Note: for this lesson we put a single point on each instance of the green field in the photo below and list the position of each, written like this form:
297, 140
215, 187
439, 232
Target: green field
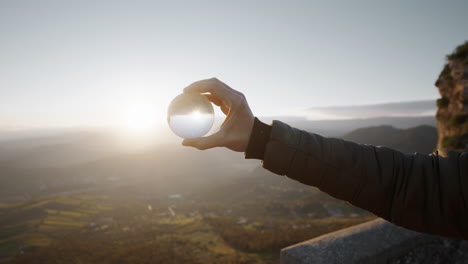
26, 226
104, 229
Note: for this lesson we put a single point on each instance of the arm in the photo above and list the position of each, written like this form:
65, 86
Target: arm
425, 193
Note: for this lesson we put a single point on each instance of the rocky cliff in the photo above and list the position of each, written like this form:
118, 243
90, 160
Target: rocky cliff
452, 114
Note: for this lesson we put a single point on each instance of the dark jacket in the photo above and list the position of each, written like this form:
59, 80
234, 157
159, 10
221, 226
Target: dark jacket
426, 193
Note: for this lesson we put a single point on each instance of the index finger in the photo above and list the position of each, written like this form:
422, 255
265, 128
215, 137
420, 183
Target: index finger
213, 86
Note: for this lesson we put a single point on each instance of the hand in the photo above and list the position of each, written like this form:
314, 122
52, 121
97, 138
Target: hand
235, 131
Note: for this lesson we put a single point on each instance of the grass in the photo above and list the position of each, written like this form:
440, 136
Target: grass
35, 221
68, 201
37, 240
51, 228
7, 232
455, 142
446, 71
458, 120
135, 235
103, 207
88, 211
8, 248
177, 220
9, 205
58, 218
52, 212
70, 213
35, 205
64, 223
446, 76
460, 53
443, 102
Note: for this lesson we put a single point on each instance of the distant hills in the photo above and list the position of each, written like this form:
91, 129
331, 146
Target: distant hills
68, 148
394, 109
58, 150
338, 128
422, 139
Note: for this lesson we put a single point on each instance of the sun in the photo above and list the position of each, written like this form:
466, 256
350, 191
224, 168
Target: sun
195, 114
141, 118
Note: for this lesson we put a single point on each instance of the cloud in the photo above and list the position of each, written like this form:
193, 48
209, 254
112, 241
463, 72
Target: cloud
394, 109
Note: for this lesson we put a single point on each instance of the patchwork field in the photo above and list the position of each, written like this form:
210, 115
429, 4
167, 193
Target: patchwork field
123, 227
25, 226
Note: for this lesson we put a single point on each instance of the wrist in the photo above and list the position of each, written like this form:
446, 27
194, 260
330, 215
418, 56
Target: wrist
258, 139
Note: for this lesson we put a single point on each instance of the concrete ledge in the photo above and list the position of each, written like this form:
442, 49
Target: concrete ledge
376, 241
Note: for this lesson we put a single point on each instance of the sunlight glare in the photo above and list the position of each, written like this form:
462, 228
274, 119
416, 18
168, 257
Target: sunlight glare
196, 114
141, 118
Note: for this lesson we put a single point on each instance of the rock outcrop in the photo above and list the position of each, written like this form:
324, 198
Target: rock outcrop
377, 241
452, 114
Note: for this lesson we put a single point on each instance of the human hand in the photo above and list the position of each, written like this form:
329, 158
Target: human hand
235, 131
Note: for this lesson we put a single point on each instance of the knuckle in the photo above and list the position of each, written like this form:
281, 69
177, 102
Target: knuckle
201, 147
197, 83
222, 134
239, 99
235, 104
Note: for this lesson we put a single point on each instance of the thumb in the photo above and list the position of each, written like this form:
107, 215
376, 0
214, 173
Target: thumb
203, 143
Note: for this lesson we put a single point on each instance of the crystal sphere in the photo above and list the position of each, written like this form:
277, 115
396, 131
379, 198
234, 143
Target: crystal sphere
190, 115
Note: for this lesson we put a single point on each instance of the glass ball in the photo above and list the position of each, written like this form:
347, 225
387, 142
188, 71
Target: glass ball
190, 115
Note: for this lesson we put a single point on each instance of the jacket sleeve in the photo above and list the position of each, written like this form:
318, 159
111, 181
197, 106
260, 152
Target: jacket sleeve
426, 193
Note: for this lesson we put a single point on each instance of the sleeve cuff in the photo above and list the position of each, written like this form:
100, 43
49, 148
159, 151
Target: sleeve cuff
259, 138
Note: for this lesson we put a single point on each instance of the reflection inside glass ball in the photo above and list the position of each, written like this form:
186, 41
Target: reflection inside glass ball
190, 115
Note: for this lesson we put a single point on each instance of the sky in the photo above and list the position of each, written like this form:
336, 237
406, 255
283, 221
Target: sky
94, 63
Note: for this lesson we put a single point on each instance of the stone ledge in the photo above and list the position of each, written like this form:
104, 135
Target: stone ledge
376, 241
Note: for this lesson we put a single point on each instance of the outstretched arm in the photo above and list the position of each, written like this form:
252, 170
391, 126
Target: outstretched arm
425, 193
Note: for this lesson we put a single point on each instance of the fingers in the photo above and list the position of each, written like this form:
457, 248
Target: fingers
214, 99
226, 95
202, 86
203, 143
213, 86
217, 101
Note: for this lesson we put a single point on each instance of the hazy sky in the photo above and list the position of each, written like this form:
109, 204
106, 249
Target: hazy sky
67, 63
